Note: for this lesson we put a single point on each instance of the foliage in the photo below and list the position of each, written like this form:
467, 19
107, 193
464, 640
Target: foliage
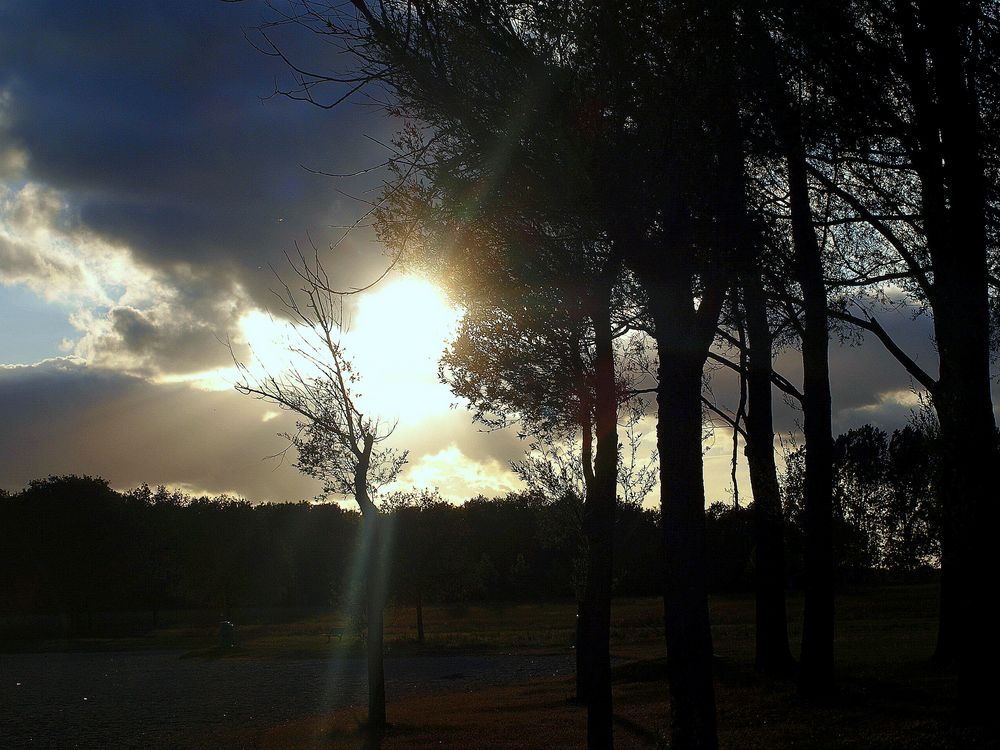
887, 514
336, 442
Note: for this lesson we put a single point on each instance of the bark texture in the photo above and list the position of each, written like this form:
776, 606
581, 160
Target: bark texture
679, 423
772, 653
816, 676
599, 520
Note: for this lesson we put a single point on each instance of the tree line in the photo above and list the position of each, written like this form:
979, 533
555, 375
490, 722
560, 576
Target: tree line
75, 548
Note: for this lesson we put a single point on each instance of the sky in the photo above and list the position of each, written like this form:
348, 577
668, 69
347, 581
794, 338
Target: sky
149, 181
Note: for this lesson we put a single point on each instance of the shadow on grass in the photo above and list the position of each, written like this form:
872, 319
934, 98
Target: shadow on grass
643, 670
637, 730
361, 736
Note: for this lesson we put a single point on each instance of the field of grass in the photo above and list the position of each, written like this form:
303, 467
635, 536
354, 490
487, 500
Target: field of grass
890, 695
457, 628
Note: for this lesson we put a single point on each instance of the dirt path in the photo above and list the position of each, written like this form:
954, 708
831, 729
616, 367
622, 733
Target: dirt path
153, 699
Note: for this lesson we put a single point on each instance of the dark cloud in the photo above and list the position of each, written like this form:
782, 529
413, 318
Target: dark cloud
153, 343
62, 417
151, 118
866, 381
134, 328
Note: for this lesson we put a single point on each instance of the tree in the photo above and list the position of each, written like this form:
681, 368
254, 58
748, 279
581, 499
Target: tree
777, 84
557, 468
942, 59
906, 93
76, 532
886, 491
336, 442
532, 359
860, 488
886, 499
533, 270
914, 510
772, 653
752, 329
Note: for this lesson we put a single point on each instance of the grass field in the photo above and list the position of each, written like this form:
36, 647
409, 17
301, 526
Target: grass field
890, 695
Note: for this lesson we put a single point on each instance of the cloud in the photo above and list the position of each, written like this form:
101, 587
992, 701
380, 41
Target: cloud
156, 124
162, 340
60, 416
129, 316
41, 248
457, 476
13, 158
148, 180
865, 379
437, 432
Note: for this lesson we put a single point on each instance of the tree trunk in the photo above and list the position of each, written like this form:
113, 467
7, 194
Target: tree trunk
584, 607
375, 596
946, 153
682, 503
817, 664
968, 435
772, 653
598, 524
969, 441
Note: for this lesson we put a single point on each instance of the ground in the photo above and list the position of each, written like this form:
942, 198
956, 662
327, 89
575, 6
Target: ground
488, 677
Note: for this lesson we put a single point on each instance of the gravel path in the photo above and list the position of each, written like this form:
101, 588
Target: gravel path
151, 699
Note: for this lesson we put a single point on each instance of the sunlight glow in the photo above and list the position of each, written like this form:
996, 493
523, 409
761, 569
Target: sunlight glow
396, 337
407, 320
218, 379
459, 477
269, 338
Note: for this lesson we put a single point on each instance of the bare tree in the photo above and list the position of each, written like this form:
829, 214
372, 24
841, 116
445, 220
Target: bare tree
336, 442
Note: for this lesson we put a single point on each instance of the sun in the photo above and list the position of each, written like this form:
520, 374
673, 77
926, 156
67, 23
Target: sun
409, 317
396, 337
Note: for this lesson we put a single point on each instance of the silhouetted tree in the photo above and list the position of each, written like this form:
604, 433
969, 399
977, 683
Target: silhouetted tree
336, 442
552, 466
525, 254
887, 515
914, 523
79, 543
784, 100
911, 89
772, 652
861, 461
